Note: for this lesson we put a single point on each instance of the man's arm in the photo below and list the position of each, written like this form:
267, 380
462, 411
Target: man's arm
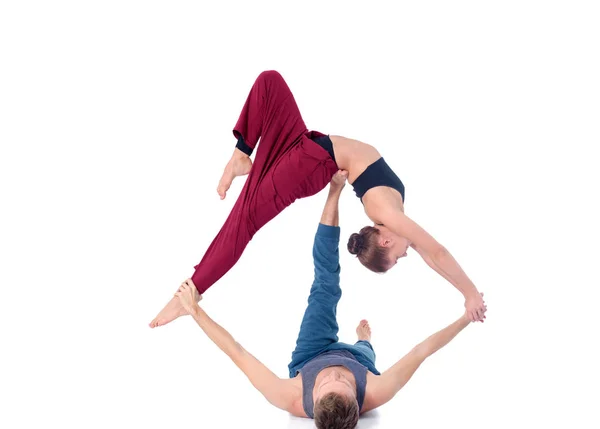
277, 391
331, 214
385, 387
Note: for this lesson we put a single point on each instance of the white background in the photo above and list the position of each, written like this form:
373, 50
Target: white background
115, 126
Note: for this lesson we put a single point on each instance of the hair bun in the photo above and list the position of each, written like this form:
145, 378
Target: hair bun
356, 243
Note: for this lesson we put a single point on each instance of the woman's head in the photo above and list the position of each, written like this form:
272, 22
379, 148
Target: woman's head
377, 248
335, 400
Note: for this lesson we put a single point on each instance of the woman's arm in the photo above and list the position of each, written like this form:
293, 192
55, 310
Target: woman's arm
385, 387
281, 393
436, 256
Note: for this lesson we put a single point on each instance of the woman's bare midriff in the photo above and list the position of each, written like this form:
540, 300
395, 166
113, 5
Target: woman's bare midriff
355, 156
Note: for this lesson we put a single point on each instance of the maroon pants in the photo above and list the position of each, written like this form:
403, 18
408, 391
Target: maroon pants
288, 165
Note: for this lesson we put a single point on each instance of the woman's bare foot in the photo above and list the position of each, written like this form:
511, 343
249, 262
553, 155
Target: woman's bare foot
239, 165
363, 331
170, 312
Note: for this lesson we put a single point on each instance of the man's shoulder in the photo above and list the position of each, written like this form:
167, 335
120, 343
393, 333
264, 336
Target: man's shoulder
371, 392
296, 407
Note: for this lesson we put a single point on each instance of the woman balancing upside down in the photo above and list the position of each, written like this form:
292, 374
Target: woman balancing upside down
292, 162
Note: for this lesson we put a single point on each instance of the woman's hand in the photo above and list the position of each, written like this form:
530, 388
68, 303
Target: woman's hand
475, 307
188, 295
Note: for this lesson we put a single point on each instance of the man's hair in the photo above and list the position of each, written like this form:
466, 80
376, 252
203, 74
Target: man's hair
335, 411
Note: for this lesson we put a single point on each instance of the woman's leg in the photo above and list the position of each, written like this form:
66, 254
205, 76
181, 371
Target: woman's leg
287, 166
271, 115
270, 122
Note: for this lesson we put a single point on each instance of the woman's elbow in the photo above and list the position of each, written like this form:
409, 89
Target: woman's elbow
439, 253
236, 352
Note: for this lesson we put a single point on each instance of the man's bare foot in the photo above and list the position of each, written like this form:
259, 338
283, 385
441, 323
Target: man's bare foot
363, 331
239, 165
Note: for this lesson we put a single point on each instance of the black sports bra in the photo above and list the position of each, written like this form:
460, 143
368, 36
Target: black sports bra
377, 174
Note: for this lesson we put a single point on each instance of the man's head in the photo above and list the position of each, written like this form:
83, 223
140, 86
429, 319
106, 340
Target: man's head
336, 406
378, 248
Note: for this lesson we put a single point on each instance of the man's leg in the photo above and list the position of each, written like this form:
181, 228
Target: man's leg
367, 348
363, 349
319, 326
363, 332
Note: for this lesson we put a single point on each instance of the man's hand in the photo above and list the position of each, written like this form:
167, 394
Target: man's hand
338, 181
188, 295
475, 308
